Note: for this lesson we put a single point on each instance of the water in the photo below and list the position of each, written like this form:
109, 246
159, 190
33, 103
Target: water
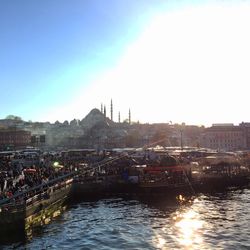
219, 221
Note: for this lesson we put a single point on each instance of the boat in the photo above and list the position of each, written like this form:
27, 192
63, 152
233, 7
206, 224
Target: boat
164, 179
34, 206
220, 172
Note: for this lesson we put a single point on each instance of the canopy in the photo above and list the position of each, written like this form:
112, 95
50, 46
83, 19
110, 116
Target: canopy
29, 170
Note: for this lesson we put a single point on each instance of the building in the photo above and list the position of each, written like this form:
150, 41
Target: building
13, 138
224, 137
245, 126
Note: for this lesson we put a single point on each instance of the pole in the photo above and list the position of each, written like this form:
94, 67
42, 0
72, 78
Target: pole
181, 141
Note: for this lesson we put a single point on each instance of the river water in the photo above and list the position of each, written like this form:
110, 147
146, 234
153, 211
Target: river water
214, 221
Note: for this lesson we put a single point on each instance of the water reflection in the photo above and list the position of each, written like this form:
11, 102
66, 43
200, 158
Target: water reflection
183, 227
201, 222
189, 228
160, 242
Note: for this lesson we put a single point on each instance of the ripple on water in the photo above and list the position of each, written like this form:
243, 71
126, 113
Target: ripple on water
219, 221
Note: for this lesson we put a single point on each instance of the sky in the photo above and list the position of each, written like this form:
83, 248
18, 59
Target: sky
166, 61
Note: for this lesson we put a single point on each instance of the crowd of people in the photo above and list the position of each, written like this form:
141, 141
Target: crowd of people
20, 172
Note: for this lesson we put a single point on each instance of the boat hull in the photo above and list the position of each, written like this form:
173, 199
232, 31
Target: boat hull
35, 211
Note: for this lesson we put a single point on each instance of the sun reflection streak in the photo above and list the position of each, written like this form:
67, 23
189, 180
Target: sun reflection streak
189, 228
160, 242
185, 227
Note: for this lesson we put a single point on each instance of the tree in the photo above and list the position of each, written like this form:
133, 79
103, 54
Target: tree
13, 117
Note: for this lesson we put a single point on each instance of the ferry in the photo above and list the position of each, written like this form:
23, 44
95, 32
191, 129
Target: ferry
35, 205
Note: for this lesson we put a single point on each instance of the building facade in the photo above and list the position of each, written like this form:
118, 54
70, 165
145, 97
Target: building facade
224, 137
12, 139
245, 126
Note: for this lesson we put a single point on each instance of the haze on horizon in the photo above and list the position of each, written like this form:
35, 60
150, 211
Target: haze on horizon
166, 61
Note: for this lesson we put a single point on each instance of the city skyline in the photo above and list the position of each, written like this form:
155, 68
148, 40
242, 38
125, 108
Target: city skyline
184, 62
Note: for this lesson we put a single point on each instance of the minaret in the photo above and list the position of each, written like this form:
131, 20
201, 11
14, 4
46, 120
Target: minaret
104, 112
129, 116
119, 117
101, 108
111, 110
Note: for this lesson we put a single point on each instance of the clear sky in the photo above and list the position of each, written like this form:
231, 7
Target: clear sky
178, 61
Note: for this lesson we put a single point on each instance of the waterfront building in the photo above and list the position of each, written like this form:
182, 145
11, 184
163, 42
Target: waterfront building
245, 126
225, 137
13, 138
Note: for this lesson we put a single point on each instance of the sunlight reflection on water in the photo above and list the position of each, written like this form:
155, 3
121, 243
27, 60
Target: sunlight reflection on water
205, 222
189, 228
185, 226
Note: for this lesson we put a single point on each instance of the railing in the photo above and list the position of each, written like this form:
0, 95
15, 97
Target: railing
20, 198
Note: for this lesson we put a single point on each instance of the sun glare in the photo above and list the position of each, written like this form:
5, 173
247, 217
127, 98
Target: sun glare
186, 63
189, 226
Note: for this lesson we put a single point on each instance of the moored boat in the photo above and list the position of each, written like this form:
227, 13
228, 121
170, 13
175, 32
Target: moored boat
217, 172
32, 207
